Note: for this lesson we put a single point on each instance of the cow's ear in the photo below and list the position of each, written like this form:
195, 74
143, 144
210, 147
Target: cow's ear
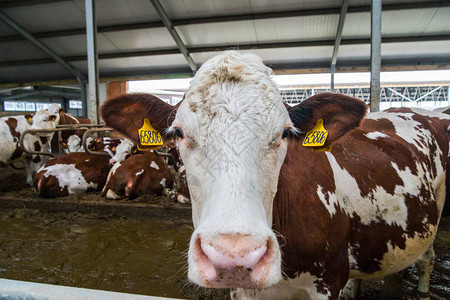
61, 111
52, 118
126, 114
29, 118
339, 113
63, 144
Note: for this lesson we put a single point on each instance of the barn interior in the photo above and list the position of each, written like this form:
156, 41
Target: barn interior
79, 53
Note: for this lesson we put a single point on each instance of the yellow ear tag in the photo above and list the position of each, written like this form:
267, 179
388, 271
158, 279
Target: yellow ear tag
149, 137
317, 136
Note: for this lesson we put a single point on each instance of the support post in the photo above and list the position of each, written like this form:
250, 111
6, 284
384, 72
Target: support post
375, 56
83, 98
91, 36
332, 71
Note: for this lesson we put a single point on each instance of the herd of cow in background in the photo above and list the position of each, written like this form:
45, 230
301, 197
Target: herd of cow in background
125, 173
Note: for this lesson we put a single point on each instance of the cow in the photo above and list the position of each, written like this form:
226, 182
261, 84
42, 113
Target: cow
446, 210
11, 129
124, 150
73, 173
274, 219
140, 174
64, 118
73, 144
105, 144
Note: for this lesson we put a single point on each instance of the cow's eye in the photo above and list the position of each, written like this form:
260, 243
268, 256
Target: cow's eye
286, 133
179, 133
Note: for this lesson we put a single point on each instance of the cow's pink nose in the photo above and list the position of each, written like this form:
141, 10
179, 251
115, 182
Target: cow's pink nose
233, 260
112, 162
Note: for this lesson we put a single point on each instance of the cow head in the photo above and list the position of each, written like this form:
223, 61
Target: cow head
73, 144
123, 151
42, 119
232, 132
55, 110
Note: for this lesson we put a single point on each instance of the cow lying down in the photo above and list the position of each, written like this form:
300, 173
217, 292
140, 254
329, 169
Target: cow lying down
140, 174
73, 173
366, 208
76, 173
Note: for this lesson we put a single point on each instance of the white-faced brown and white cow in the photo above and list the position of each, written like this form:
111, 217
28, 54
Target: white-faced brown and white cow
367, 209
140, 174
64, 118
11, 129
73, 173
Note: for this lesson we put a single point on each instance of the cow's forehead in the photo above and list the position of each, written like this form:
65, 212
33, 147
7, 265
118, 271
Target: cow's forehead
41, 115
234, 87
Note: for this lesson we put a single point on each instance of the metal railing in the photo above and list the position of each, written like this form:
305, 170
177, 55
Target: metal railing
87, 134
89, 131
437, 95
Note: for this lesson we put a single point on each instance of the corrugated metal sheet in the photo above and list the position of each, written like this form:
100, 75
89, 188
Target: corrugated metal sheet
68, 15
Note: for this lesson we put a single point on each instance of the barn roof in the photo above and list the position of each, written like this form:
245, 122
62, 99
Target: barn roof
292, 36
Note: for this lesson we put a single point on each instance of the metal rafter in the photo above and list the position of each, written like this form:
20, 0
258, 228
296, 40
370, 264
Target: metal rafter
395, 64
20, 3
249, 46
173, 32
231, 18
337, 41
41, 46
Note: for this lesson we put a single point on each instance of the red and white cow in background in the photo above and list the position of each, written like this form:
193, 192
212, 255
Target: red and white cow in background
74, 144
11, 128
78, 172
140, 174
368, 208
123, 151
73, 173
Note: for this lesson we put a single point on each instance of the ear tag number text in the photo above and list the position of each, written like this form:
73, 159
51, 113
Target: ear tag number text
317, 136
149, 137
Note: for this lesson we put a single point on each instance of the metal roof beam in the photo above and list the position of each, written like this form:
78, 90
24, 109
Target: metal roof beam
41, 46
337, 41
20, 3
41, 93
250, 46
340, 27
173, 32
395, 64
232, 18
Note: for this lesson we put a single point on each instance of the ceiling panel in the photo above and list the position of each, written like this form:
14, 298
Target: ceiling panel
68, 15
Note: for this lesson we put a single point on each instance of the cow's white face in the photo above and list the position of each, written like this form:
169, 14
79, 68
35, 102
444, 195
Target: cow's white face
54, 110
43, 120
123, 150
74, 143
231, 127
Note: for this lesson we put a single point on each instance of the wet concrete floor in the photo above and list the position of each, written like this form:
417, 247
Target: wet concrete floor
117, 254
144, 256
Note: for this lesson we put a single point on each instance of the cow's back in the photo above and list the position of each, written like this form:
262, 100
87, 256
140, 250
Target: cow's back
381, 188
140, 174
74, 173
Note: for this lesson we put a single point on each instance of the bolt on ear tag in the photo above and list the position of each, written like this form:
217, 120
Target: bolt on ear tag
149, 137
317, 136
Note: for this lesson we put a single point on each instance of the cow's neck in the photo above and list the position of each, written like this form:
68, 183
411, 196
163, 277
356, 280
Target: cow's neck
300, 216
